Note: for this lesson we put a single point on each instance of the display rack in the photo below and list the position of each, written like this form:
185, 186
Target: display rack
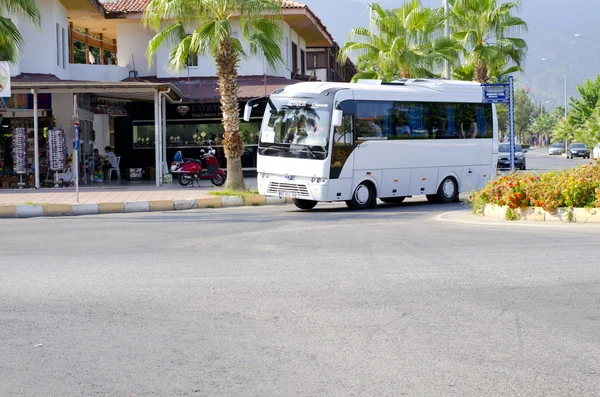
19, 150
56, 153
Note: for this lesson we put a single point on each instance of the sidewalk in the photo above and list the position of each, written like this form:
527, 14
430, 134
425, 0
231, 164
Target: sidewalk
120, 197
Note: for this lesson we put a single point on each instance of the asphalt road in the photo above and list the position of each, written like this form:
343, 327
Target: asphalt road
269, 301
540, 160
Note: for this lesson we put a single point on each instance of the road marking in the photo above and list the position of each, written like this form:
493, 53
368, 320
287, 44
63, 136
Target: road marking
444, 218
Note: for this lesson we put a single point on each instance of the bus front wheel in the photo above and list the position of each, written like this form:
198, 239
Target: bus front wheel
305, 204
363, 197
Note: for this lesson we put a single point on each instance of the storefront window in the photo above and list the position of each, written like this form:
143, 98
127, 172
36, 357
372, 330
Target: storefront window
191, 134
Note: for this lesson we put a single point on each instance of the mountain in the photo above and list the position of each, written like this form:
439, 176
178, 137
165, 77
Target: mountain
552, 27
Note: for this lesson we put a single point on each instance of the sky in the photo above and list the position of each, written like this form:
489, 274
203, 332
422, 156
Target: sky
552, 27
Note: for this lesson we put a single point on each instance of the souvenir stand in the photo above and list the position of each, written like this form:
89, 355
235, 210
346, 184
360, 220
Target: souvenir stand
57, 153
19, 150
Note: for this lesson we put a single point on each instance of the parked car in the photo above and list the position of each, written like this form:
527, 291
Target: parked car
504, 157
578, 150
556, 148
596, 151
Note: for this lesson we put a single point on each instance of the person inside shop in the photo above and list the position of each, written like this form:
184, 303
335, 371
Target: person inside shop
97, 160
110, 159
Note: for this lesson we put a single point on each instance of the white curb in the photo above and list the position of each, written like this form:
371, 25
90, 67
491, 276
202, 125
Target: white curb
137, 206
85, 209
232, 201
29, 211
187, 204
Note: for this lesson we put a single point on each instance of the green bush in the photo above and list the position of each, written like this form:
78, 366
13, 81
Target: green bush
575, 187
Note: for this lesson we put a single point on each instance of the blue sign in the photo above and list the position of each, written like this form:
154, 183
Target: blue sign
496, 93
76, 136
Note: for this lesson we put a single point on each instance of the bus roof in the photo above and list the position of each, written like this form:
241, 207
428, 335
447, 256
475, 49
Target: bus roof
465, 90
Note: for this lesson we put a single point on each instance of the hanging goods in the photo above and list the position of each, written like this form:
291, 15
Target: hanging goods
57, 153
57, 149
19, 146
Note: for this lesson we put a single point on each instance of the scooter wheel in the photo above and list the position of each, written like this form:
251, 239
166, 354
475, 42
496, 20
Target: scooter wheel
218, 180
183, 181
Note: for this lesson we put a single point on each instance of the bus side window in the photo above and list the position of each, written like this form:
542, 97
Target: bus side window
343, 135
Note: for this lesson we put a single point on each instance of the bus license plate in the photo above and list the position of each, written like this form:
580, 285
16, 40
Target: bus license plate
287, 194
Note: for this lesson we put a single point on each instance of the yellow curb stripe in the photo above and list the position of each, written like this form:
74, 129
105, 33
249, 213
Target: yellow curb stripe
8, 211
162, 205
255, 199
209, 202
108, 208
57, 209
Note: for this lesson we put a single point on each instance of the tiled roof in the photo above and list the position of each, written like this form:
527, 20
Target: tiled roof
133, 6
206, 89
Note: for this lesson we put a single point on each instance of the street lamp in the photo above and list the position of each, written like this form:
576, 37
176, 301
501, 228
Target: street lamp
566, 103
585, 38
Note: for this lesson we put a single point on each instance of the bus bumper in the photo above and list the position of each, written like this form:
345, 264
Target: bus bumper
314, 189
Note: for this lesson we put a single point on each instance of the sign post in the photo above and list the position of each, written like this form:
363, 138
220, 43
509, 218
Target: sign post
511, 123
75, 163
504, 93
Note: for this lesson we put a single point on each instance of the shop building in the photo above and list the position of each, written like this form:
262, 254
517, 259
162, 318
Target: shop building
97, 51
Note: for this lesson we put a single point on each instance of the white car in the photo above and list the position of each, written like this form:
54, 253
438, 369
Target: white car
596, 151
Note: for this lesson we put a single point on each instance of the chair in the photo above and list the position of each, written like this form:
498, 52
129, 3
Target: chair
117, 170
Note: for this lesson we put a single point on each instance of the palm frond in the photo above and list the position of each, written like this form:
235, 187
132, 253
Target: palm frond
170, 35
25, 8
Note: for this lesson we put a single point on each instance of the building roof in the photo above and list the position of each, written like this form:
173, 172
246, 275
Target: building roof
194, 89
206, 89
134, 6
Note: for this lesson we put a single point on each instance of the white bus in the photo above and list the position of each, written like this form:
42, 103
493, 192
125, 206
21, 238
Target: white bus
359, 142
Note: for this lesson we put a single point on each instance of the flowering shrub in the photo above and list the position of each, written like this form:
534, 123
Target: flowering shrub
575, 187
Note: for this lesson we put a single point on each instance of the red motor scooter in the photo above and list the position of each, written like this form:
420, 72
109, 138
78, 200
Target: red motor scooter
207, 167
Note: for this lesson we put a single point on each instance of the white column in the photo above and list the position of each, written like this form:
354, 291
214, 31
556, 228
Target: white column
164, 131
36, 137
156, 138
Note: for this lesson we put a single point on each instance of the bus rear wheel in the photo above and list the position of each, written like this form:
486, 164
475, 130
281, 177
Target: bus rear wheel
305, 204
447, 192
363, 197
392, 200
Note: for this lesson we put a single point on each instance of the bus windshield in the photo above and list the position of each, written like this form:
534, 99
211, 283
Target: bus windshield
297, 128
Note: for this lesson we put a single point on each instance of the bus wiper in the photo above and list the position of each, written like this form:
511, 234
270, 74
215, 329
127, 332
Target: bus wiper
274, 147
309, 150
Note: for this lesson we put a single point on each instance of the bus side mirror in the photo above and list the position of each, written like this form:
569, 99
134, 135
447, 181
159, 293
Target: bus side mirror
336, 119
247, 111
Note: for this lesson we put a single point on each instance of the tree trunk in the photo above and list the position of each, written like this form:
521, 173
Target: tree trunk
227, 62
481, 71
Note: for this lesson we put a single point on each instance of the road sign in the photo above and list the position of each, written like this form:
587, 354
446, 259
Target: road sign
76, 136
504, 93
495, 93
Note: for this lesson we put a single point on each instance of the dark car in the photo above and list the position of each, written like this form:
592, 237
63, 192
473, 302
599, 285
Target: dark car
504, 157
578, 150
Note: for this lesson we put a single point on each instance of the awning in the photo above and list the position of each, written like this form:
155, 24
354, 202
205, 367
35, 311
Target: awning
129, 90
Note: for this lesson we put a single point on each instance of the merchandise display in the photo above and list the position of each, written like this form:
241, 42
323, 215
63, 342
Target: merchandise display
57, 150
19, 149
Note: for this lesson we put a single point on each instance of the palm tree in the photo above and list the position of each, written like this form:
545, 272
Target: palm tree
405, 42
204, 27
11, 40
484, 30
